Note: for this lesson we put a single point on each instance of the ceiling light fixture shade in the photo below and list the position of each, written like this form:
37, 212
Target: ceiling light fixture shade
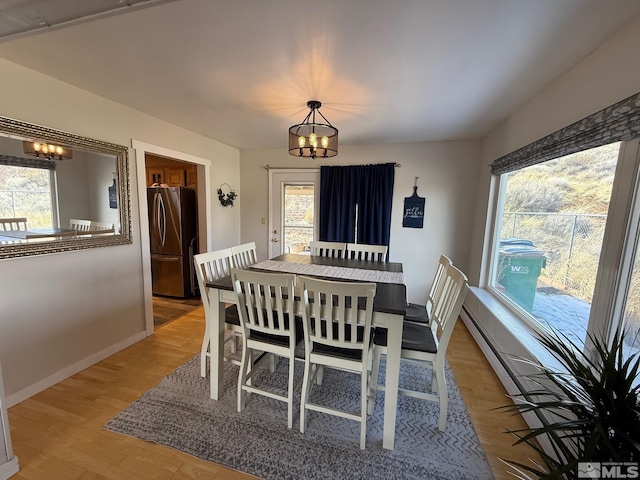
310, 139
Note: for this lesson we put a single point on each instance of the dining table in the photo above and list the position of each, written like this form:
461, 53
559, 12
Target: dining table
35, 233
389, 308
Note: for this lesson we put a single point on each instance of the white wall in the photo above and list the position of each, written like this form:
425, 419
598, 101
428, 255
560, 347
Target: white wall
63, 311
447, 172
610, 74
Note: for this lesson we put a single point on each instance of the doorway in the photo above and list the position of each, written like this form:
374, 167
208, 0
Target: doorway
203, 183
294, 196
172, 173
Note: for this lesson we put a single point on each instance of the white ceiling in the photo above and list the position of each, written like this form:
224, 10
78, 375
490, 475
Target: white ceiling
242, 71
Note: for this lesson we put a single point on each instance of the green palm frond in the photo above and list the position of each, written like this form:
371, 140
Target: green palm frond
593, 402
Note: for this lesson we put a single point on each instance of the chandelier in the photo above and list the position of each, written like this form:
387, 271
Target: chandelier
47, 150
310, 139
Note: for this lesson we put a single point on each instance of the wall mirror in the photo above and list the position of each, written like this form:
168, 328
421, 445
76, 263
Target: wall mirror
53, 179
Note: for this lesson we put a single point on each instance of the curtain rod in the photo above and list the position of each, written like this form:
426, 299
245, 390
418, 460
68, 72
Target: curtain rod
269, 167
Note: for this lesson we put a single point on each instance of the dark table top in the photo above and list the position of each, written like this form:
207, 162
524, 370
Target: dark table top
390, 297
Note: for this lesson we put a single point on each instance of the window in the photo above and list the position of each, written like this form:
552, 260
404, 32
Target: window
551, 222
298, 217
27, 192
632, 311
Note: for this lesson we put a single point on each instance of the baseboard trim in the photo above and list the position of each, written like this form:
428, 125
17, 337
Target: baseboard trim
66, 372
499, 369
9, 468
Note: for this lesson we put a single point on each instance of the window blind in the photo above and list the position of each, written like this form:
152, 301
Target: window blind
618, 122
27, 162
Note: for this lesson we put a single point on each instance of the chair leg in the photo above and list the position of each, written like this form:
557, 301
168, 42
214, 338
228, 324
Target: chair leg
438, 373
204, 350
320, 374
290, 392
306, 384
244, 369
363, 408
434, 381
373, 387
234, 342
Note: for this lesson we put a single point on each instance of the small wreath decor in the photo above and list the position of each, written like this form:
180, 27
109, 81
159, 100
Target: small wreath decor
226, 199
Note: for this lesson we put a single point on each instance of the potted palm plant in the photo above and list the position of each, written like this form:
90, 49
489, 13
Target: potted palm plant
589, 408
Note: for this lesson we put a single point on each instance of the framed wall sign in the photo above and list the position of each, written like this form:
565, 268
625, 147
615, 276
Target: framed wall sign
413, 215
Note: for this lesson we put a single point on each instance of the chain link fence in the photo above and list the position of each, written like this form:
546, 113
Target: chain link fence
35, 205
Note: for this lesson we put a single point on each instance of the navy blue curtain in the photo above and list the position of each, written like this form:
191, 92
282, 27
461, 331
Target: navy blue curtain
338, 200
367, 187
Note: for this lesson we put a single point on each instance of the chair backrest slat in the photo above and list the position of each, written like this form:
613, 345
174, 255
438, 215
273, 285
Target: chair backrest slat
372, 253
244, 255
101, 226
446, 307
265, 301
79, 225
211, 266
438, 281
335, 310
17, 223
327, 249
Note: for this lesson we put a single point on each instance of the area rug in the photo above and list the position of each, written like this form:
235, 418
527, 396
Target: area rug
178, 412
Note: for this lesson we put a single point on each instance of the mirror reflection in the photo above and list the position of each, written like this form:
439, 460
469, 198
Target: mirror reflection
59, 191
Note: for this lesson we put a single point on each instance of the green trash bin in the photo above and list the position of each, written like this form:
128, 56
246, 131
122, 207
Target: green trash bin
519, 267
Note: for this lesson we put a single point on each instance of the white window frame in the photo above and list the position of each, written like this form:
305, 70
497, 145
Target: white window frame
616, 257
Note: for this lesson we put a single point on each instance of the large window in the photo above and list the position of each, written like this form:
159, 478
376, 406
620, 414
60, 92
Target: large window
27, 192
551, 222
632, 310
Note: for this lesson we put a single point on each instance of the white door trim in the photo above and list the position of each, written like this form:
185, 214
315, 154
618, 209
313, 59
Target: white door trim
204, 214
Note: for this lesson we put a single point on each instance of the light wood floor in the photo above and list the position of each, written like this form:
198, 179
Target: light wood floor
57, 434
167, 309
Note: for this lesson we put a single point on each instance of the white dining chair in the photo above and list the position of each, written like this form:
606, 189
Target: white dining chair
17, 223
327, 249
420, 313
337, 329
212, 266
103, 227
426, 345
80, 225
244, 255
372, 253
264, 300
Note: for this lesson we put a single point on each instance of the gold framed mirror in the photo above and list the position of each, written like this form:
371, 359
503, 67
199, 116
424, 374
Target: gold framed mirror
50, 179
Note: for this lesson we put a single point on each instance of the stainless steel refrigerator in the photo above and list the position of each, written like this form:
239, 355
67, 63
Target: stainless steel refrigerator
172, 232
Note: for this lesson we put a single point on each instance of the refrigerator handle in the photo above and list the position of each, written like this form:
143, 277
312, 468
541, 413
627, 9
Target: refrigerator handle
162, 220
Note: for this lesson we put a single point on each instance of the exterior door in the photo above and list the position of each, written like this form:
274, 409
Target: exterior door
293, 210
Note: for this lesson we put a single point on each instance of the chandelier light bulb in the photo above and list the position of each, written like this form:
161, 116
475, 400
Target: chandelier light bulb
36, 146
313, 139
324, 141
301, 141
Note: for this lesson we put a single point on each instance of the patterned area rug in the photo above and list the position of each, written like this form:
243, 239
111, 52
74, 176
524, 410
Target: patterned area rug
179, 413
